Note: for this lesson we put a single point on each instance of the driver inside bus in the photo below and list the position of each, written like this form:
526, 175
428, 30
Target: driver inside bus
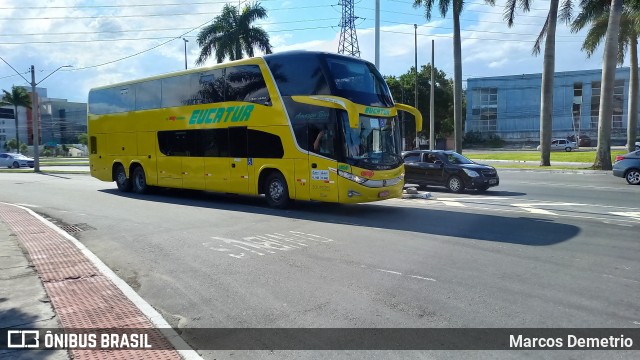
323, 142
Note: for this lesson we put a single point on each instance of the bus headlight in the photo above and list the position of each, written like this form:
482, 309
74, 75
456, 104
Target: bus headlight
350, 176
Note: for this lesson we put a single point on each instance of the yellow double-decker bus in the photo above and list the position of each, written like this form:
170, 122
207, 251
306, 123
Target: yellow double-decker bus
294, 125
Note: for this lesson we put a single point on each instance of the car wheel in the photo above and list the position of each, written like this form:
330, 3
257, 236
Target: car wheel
123, 183
455, 184
633, 176
276, 191
16, 165
139, 181
567, 149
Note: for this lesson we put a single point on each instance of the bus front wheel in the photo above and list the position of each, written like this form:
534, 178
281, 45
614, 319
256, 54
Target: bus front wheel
139, 180
120, 176
276, 191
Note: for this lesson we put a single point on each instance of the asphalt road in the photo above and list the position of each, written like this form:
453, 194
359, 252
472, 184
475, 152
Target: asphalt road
544, 249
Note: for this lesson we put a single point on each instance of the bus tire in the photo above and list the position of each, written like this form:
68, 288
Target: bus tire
139, 180
276, 191
120, 176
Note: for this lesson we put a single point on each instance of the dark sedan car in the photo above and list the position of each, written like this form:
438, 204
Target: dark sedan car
447, 168
628, 166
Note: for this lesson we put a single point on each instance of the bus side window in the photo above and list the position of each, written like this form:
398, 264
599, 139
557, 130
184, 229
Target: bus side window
93, 145
246, 83
211, 87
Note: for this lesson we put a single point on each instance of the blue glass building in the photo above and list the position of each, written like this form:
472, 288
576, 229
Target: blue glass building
509, 106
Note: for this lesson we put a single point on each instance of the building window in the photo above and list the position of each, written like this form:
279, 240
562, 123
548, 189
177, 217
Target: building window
618, 103
484, 114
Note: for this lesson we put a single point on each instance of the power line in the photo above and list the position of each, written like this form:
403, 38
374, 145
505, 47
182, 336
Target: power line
114, 6
140, 15
150, 30
146, 38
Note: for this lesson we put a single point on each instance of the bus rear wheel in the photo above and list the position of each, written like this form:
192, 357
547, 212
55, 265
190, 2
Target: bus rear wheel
139, 180
277, 191
123, 183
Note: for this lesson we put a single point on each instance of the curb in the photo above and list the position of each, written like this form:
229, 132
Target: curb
144, 307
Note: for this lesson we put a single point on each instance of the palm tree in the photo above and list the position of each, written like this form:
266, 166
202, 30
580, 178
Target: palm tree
232, 35
596, 13
457, 6
548, 65
17, 97
603, 151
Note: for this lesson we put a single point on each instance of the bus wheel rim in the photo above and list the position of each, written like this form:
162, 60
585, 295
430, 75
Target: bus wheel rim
276, 189
122, 177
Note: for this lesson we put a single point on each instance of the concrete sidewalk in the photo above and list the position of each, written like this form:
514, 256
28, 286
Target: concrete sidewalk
50, 280
23, 300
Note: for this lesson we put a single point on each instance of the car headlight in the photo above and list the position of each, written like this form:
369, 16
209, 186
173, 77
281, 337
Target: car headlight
471, 173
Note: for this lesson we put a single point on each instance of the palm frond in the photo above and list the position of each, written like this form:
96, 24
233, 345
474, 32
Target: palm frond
543, 32
428, 7
566, 11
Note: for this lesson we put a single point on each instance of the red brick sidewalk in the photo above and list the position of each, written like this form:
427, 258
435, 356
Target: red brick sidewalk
81, 295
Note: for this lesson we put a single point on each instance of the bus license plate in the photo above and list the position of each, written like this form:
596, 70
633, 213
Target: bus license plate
383, 194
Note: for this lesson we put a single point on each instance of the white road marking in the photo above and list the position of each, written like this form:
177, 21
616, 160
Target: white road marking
423, 278
621, 278
634, 215
533, 210
29, 205
389, 271
453, 203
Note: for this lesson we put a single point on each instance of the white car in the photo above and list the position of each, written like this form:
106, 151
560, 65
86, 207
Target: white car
637, 145
15, 160
561, 144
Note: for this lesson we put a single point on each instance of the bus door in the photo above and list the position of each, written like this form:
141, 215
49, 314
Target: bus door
323, 150
238, 161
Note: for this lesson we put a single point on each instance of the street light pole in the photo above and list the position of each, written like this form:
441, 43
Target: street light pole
35, 118
185, 52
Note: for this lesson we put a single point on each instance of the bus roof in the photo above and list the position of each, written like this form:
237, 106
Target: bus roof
252, 60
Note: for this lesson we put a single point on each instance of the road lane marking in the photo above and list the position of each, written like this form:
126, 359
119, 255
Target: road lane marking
634, 215
453, 203
389, 271
621, 278
420, 277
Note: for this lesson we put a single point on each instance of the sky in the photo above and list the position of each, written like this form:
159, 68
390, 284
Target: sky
108, 41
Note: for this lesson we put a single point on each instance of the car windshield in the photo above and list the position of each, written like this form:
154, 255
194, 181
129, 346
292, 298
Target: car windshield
455, 158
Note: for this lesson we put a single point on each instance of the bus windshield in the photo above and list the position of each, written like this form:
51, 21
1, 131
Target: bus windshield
374, 145
358, 81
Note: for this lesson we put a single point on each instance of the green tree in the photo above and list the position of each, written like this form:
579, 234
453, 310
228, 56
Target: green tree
17, 97
11, 144
548, 35
83, 139
403, 91
457, 6
232, 35
23, 148
595, 13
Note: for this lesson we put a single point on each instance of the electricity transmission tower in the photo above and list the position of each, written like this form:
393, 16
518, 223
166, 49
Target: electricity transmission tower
348, 39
